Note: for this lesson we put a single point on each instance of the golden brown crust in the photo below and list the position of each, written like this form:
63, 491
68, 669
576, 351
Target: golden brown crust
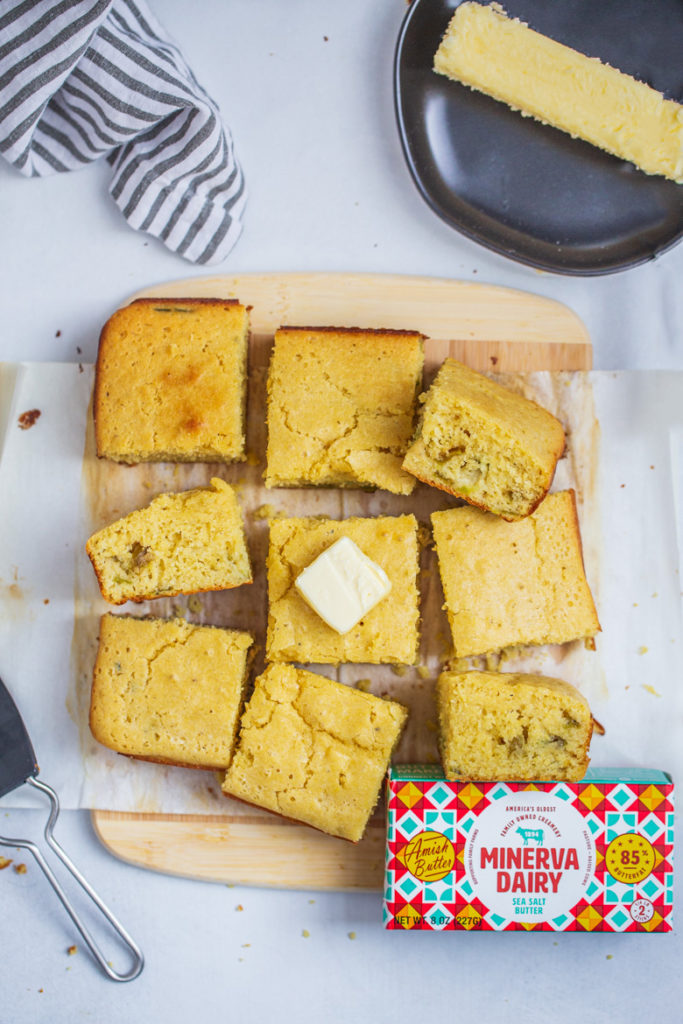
577, 530
103, 352
356, 330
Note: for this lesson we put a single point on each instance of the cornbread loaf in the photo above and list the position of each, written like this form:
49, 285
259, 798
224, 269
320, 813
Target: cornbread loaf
314, 750
502, 57
171, 381
165, 690
514, 583
178, 544
387, 633
484, 443
341, 407
496, 725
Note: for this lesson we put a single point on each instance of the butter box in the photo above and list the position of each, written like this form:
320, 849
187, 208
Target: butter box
593, 856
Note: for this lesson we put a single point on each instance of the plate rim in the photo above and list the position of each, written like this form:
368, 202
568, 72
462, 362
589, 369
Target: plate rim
479, 238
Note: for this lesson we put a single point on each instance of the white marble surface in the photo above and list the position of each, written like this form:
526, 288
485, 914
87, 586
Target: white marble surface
314, 126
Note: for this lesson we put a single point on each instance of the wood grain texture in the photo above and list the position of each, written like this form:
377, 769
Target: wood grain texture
485, 326
244, 850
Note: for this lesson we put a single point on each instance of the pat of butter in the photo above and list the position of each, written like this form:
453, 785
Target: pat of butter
343, 585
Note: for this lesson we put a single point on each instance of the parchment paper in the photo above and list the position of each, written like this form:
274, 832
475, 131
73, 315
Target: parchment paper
54, 493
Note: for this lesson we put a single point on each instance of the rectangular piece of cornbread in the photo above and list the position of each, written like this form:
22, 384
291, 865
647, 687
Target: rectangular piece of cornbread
504, 58
180, 543
514, 583
168, 691
502, 725
341, 407
388, 633
314, 750
485, 443
171, 381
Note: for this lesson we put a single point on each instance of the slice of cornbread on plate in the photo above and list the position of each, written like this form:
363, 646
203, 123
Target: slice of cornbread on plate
482, 442
314, 750
498, 725
171, 381
504, 58
180, 543
341, 407
168, 691
386, 634
514, 583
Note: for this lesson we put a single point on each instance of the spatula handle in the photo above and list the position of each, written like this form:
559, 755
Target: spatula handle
138, 959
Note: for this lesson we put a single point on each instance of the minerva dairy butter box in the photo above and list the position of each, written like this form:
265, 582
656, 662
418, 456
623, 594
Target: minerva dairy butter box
594, 855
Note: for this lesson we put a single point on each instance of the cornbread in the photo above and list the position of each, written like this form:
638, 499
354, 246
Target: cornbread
514, 583
341, 407
314, 750
484, 443
179, 544
168, 691
502, 57
171, 382
387, 633
497, 725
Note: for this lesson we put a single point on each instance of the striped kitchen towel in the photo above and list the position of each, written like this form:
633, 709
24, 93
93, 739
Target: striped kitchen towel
83, 78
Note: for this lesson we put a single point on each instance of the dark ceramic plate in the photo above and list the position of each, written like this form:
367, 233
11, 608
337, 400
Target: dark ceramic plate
519, 187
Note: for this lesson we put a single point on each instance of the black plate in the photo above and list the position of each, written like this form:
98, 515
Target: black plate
519, 187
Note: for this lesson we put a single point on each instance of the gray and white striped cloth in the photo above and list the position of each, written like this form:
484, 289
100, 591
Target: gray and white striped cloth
83, 78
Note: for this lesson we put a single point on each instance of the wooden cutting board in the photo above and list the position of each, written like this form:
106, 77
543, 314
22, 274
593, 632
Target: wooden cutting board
487, 327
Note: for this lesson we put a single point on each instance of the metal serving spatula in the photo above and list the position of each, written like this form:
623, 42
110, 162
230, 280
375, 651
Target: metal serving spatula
18, 766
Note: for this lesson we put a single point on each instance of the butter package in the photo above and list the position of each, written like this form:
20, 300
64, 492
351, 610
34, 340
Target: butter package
593, 856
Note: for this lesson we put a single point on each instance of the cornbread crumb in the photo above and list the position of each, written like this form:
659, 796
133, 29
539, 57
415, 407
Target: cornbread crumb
170, 382
364, 685
314, 750
239, 907
388, 633
72, 950
20, 869
4, 863
495, 725
484, 443
424, 672
514, 583
179, 543
341, 407
352, 935
165, 690
305, 933
650, 689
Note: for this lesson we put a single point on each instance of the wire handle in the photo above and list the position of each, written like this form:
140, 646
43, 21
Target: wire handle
138, 959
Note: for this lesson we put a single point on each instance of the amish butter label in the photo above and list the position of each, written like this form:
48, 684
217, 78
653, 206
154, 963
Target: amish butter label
504, 856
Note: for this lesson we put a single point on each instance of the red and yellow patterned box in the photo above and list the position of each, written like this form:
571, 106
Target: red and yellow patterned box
594, 855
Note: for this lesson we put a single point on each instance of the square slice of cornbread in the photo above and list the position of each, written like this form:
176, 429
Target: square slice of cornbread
482, 442
341, 407
502, 725
514, 583
387, 633
314, 750
171, 380
165, 690
180, 543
